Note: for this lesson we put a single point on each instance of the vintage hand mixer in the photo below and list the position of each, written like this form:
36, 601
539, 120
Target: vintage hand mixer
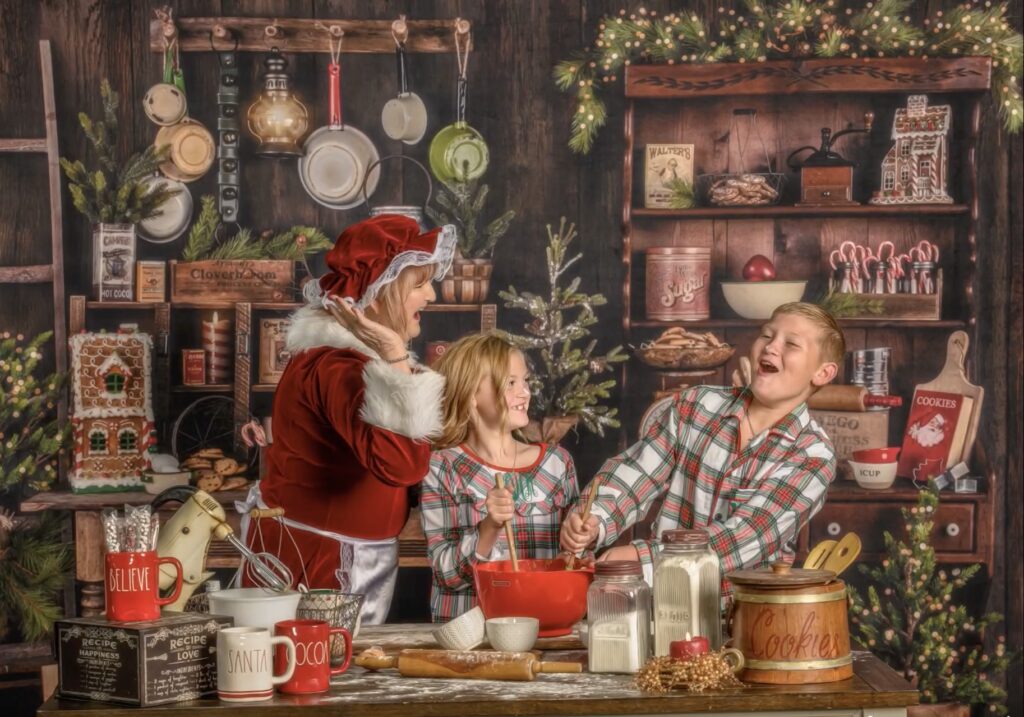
187, 535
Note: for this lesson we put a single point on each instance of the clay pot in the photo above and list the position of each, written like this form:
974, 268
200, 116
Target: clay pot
467, 281
551, 429
942, 709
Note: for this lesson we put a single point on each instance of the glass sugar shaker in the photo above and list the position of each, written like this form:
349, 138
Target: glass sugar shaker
618, 618
687, 590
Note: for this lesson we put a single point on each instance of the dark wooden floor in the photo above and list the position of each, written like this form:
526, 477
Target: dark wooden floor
516, 106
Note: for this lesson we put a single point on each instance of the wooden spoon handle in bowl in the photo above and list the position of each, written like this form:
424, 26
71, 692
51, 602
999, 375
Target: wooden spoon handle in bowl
499, 480
570, 564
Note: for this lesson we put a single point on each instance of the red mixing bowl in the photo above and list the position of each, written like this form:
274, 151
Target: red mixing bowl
543, 589
877, 455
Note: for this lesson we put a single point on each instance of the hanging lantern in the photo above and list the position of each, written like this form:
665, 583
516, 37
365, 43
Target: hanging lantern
277, 119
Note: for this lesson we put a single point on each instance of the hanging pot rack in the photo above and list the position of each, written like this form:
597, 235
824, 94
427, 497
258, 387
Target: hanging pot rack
298, 35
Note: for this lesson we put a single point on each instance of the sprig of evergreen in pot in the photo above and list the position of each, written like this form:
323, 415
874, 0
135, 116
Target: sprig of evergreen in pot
913, 618
113, 193
460, 204
561, 373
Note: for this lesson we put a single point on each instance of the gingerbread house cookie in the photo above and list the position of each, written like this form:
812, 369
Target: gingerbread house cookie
112, 410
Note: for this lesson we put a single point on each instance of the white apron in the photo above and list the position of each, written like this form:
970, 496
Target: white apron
368, 567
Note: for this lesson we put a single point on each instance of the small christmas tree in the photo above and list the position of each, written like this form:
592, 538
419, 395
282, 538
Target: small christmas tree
33, 560
561, 372
911, 620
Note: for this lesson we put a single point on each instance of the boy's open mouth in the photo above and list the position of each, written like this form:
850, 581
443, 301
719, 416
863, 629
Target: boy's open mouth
768, 367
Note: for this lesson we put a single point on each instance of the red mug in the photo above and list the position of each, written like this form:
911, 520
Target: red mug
313, 669
132, 586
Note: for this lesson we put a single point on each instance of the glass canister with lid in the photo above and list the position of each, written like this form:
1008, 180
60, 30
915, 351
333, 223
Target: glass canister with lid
618, 618
687, 590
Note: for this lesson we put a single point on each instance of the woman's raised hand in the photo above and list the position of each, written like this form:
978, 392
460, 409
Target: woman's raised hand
378, 337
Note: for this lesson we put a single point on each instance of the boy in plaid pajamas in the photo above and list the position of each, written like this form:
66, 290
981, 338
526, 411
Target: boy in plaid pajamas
486, 398
747, 464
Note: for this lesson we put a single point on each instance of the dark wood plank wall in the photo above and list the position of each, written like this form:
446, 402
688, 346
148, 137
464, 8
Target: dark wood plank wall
516, 106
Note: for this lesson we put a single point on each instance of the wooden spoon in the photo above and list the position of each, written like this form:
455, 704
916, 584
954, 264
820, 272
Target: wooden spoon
843, 554
570, 564
818, 555
499, 480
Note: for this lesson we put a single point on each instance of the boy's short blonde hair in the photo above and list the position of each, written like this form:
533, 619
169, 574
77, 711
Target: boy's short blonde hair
464, 365
831, 342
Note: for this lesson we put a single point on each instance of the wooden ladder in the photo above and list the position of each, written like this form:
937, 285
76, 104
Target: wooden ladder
52, 273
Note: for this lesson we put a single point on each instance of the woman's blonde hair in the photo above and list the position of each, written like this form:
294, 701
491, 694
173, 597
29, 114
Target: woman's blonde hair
464, 365
388, 308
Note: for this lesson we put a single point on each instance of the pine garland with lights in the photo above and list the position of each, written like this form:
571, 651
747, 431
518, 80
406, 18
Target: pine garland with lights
561, 372
30, 438
33, 559
791, 29
912, 620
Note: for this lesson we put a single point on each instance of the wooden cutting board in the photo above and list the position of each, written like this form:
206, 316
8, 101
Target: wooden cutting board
953, 379
394, 638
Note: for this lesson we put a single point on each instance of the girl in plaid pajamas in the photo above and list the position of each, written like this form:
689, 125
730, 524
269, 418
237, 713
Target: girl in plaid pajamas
747, 464
486, 398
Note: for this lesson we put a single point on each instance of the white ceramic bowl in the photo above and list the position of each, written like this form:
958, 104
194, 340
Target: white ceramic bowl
512, 634
255, 607
874, 476
758, 299
463, 633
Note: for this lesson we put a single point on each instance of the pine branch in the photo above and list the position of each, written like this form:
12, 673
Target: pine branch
201, 236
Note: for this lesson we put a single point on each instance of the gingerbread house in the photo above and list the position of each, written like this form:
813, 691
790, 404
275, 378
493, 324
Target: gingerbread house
916, 168
112, 410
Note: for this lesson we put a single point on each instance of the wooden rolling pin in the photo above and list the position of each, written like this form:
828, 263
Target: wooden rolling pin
849, 398
466, 665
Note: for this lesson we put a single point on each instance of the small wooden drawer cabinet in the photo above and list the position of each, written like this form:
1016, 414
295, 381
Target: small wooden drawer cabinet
962, 532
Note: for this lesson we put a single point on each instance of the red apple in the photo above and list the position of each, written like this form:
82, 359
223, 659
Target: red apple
759, 268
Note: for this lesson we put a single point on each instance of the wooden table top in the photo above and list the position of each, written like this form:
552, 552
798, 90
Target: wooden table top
386, 693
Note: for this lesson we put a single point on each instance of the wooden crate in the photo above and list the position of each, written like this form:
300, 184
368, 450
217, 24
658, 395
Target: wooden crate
851, 431
215, 283
920, 307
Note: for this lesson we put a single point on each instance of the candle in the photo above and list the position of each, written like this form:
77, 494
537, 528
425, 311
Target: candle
689, 647
217, 345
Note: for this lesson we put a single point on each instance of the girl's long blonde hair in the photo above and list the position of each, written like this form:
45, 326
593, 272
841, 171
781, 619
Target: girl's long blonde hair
390, 302
464, 365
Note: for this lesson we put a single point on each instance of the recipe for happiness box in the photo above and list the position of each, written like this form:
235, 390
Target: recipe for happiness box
155, 662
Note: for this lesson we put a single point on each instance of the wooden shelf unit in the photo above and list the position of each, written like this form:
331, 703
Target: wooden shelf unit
693, 104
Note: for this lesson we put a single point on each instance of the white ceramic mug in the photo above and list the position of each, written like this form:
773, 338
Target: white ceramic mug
245, 664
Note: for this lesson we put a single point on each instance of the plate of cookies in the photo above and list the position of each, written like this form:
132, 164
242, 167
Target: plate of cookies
682, 350
213, 471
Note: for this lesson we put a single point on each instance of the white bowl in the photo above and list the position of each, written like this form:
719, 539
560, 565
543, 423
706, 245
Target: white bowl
255, 607
874, 476
463, 633
758, 299
512, 634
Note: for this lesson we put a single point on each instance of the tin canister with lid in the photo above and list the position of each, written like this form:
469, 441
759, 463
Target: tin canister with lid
618, 618
678, 283
687, 590
791, 625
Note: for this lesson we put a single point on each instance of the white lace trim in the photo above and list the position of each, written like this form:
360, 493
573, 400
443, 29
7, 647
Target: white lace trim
443, 254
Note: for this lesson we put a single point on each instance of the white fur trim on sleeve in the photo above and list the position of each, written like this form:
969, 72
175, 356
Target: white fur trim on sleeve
406, 404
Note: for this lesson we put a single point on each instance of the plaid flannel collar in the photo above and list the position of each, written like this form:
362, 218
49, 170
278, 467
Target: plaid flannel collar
791, 425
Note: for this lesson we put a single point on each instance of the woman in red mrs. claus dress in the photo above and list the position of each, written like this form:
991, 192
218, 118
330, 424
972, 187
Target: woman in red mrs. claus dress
353, 414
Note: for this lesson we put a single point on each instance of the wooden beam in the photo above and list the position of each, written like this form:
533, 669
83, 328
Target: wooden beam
196, 34
788, 77
23, 145
28, 274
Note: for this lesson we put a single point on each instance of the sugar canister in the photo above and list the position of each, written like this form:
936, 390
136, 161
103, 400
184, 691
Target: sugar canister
687, 590
678, 283
618, 617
